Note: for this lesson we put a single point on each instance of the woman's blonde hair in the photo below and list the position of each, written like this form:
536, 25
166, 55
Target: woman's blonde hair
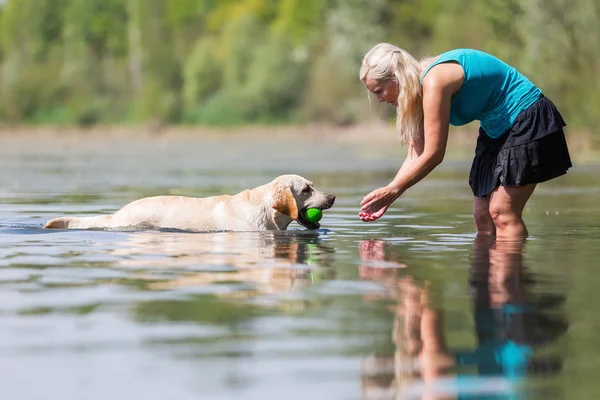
384, 62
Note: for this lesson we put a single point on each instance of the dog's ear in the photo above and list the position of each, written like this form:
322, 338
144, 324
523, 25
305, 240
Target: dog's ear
285, 203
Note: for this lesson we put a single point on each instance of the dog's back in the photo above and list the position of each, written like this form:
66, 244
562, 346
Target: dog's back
170, 212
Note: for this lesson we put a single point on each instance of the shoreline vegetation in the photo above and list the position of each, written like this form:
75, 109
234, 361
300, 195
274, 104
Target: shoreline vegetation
583, 146
232, 63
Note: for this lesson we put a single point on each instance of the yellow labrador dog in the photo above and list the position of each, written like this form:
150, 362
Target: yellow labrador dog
269, 207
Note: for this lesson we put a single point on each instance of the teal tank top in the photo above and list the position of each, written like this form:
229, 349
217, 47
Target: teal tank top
493, 92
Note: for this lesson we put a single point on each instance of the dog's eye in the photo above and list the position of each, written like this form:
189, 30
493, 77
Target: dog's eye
306, 189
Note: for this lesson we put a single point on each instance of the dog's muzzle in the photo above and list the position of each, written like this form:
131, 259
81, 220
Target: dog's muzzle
315, 225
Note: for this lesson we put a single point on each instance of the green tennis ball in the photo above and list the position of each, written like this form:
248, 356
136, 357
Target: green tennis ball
314, 215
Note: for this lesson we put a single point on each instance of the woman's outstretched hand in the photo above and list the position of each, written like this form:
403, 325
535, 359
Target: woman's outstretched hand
376, 203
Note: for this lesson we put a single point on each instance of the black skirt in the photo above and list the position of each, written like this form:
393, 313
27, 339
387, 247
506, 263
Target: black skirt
533, 150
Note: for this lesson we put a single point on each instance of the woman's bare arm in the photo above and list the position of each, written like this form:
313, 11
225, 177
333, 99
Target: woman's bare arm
414, 151
438, 89
436, 110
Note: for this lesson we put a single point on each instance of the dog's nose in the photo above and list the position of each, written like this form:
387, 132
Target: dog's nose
330, 199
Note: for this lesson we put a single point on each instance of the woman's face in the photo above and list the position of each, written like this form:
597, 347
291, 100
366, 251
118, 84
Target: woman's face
384, 90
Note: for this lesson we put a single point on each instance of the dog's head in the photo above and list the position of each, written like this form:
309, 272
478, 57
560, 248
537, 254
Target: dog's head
293, 195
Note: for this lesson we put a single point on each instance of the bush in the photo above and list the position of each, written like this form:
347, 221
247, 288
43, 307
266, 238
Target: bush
35, 88
202, 75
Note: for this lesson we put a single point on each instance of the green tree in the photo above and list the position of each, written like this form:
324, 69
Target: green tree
244, 61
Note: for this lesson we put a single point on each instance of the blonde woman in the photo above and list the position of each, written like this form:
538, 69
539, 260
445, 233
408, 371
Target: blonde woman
521, 140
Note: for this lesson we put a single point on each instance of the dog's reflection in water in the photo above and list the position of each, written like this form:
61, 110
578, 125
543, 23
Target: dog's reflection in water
510, 322
270, 262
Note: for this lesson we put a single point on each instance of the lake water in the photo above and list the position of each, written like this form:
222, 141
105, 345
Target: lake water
410, 306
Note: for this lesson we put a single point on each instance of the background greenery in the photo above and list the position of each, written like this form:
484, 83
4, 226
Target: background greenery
231, 62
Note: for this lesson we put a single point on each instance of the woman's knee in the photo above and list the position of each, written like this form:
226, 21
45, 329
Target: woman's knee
503, 216
507, 203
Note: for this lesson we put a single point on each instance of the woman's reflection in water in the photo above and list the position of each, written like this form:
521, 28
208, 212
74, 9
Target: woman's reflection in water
510, 320
509, 323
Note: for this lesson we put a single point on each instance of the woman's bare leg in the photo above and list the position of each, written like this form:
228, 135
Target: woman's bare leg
483, 219
506, 209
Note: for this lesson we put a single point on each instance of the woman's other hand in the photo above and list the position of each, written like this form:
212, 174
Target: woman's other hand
376, 203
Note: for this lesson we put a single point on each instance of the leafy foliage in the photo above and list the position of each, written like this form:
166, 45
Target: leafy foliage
242, 61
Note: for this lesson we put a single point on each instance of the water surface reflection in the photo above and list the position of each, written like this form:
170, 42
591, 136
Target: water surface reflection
265, 262
514, 320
